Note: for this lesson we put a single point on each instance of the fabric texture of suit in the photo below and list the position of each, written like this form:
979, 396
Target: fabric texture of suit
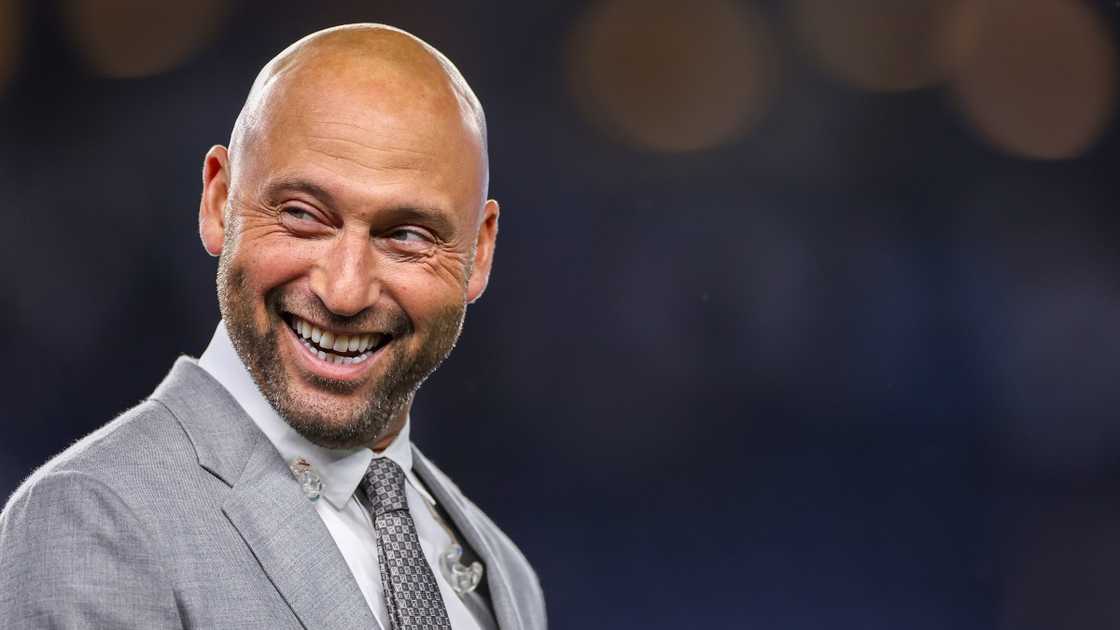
181, 514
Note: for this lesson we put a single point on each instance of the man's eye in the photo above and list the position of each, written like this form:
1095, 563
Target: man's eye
299, 214
408, 236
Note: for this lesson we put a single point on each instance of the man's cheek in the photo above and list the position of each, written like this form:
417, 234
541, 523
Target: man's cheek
448, 267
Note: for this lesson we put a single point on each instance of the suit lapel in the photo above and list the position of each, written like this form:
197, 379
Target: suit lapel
497, 578
265, 503
293, 545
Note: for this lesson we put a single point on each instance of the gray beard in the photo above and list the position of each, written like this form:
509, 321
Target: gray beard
368, 420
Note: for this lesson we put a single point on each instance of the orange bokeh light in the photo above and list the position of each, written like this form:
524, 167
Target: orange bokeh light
137, 38
671, 76
11, 39
1041, 82
886, 45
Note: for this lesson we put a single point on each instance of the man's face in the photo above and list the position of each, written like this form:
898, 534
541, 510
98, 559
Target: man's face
350, 248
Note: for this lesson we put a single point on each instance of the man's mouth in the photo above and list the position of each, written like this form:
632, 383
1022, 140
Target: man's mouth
336, 347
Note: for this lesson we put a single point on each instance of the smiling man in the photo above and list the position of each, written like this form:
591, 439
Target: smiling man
272, 483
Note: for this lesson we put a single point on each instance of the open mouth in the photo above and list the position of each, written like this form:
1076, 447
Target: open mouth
334, 347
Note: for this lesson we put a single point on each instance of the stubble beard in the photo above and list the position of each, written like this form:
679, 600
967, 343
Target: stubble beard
362, 423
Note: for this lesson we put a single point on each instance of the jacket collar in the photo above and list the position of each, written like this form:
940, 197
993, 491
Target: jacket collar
217, 427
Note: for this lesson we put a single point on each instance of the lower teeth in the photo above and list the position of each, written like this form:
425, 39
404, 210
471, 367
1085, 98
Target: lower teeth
333, 358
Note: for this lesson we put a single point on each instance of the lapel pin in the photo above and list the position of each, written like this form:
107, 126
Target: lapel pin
463, 579
308, 479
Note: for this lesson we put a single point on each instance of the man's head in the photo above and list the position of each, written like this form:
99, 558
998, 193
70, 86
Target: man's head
350, 204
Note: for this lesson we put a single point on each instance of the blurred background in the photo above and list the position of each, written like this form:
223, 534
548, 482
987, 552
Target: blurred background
803, 315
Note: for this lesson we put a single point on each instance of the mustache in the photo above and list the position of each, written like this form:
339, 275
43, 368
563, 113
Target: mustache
391, 321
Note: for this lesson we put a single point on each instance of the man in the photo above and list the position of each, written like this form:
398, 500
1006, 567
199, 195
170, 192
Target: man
272, 484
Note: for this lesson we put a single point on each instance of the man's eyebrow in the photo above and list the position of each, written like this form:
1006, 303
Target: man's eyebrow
430, 217
276, 188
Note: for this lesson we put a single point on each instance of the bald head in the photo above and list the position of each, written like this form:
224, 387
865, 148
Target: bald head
391, 72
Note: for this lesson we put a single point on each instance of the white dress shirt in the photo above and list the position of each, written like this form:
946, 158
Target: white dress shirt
341, 471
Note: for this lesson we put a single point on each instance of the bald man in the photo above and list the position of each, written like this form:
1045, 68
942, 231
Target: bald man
272, 482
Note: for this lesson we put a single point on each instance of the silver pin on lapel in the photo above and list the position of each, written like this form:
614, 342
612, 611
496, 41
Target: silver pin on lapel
308, 479
463, 579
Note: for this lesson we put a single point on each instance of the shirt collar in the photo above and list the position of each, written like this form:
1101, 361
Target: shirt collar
341, 470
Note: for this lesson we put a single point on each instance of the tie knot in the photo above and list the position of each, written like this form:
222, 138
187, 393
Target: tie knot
384, 485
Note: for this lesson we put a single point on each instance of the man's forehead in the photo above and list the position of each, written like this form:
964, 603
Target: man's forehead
366, 137
363, 93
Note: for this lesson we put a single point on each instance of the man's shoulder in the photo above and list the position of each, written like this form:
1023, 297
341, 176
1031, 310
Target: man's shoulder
141, 443
79, 536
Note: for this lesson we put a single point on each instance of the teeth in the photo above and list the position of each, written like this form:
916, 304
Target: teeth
338, 343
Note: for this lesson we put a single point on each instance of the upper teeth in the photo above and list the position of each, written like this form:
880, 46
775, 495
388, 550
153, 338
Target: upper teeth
339, 343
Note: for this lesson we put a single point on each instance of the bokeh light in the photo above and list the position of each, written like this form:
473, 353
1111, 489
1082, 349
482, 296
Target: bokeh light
1041, 81
673, 76
886, 45
136, 38
11, 39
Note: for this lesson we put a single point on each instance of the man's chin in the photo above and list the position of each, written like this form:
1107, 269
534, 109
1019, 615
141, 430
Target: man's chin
326, 390
331, 423
337, 413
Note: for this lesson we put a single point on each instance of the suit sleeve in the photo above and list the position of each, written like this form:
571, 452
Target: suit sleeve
73, 555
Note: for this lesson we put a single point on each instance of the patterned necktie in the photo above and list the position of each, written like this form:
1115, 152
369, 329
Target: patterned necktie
411, 593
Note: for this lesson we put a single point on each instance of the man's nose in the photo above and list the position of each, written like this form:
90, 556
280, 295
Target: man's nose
345, 277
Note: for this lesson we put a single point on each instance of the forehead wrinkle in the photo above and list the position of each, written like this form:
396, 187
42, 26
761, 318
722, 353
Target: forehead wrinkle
376, 144
379, 167
390, 149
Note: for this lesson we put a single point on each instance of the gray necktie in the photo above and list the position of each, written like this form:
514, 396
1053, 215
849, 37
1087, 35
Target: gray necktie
411, 593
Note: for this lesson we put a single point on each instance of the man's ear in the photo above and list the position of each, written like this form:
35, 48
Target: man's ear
215, 194
484, 251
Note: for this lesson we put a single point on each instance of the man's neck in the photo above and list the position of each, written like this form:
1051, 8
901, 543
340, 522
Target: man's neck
393, 430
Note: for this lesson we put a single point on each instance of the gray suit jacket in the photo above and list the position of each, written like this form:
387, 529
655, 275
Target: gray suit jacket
181, 514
